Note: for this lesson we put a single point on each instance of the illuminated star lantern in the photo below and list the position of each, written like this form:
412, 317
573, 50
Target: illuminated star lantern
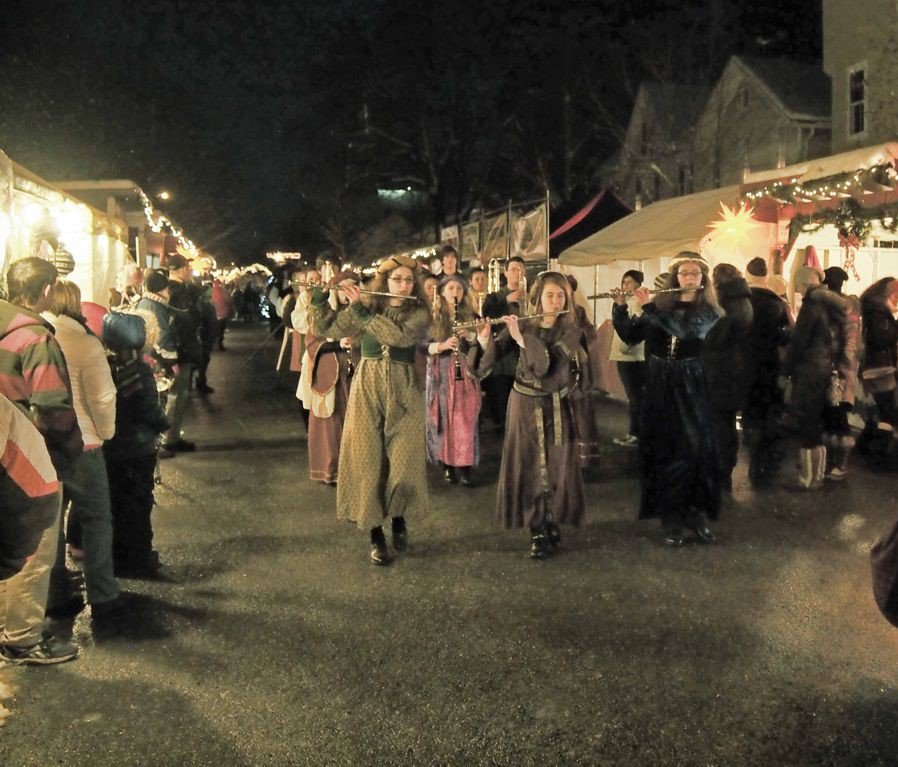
735, 228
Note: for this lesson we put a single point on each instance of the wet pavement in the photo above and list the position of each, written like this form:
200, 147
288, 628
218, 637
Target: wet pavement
274, 642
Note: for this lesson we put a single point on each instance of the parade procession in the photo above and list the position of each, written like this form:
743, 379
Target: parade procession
449, 384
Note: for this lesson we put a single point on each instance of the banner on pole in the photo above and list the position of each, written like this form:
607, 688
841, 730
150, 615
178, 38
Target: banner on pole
449, 236
470, 242
495, 238
530, 234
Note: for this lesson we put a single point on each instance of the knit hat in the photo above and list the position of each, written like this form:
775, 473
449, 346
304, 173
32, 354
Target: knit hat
757, 267
688, 255
635, 275
661, 281
834, 277
756, 272
156, 280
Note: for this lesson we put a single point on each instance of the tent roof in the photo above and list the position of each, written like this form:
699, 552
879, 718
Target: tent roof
661, 229
824, 167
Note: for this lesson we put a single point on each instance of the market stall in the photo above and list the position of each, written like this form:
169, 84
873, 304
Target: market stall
38, 219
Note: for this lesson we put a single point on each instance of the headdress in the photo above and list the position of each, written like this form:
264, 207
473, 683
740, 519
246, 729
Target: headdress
688, 255
394, 262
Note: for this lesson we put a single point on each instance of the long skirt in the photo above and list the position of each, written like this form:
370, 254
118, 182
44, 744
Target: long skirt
677, 443
540, 472
453, 408
325, 435
382, 469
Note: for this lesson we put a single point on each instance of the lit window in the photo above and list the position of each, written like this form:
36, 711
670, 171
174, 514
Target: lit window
856, 100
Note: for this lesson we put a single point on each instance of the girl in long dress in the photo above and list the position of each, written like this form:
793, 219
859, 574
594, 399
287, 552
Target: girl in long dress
324, 390
680, 481
382, 468
453, 391
540, 486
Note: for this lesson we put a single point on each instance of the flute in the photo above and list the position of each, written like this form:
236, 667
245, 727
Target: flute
471, 324
651, 292
304, 284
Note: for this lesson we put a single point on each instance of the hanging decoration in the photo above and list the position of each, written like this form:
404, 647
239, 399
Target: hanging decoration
734, 228
853, 221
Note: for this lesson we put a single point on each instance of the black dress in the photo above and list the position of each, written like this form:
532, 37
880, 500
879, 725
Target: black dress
680, 482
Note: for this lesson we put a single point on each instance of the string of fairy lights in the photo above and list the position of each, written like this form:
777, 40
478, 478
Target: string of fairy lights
158, 221
881, 176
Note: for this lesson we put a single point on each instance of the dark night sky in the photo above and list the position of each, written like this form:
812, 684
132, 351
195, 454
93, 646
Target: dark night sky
273, 123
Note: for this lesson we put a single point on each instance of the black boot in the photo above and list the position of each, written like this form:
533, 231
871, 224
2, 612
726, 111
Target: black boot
553, 532
400, 534
451, 474
380, 554
540, 548
464, 475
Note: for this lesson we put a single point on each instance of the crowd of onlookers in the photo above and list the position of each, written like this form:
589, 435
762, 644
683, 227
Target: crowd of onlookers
90, 400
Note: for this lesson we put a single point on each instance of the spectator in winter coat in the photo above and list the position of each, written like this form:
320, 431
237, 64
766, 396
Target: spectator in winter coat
224, 307
818, 344
131, 453
837, 430
878, 304
723, 356
33, 374
30, 495
185, 299
155, 301
763, 407
90, 516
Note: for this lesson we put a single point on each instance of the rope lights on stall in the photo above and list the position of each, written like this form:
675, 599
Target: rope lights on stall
157, 221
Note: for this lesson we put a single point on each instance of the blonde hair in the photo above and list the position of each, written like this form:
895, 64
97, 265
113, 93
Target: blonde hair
65, 299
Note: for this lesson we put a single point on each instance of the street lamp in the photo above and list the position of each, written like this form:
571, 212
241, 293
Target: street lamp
164, 195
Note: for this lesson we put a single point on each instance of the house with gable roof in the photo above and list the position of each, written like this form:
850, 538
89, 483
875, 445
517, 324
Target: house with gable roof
650, 164
761, 113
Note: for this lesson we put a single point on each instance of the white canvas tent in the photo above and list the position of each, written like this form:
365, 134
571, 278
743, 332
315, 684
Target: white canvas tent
661, 229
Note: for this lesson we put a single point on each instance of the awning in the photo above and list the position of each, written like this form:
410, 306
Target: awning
825, 167
661, 229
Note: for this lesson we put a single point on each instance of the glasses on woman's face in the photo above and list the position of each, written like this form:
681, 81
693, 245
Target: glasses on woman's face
403, 280
689, 274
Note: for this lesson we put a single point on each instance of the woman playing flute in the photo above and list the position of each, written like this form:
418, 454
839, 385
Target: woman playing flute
540, 486
382, 469
680, 481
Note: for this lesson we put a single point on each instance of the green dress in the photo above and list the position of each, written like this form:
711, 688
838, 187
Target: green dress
381, 471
